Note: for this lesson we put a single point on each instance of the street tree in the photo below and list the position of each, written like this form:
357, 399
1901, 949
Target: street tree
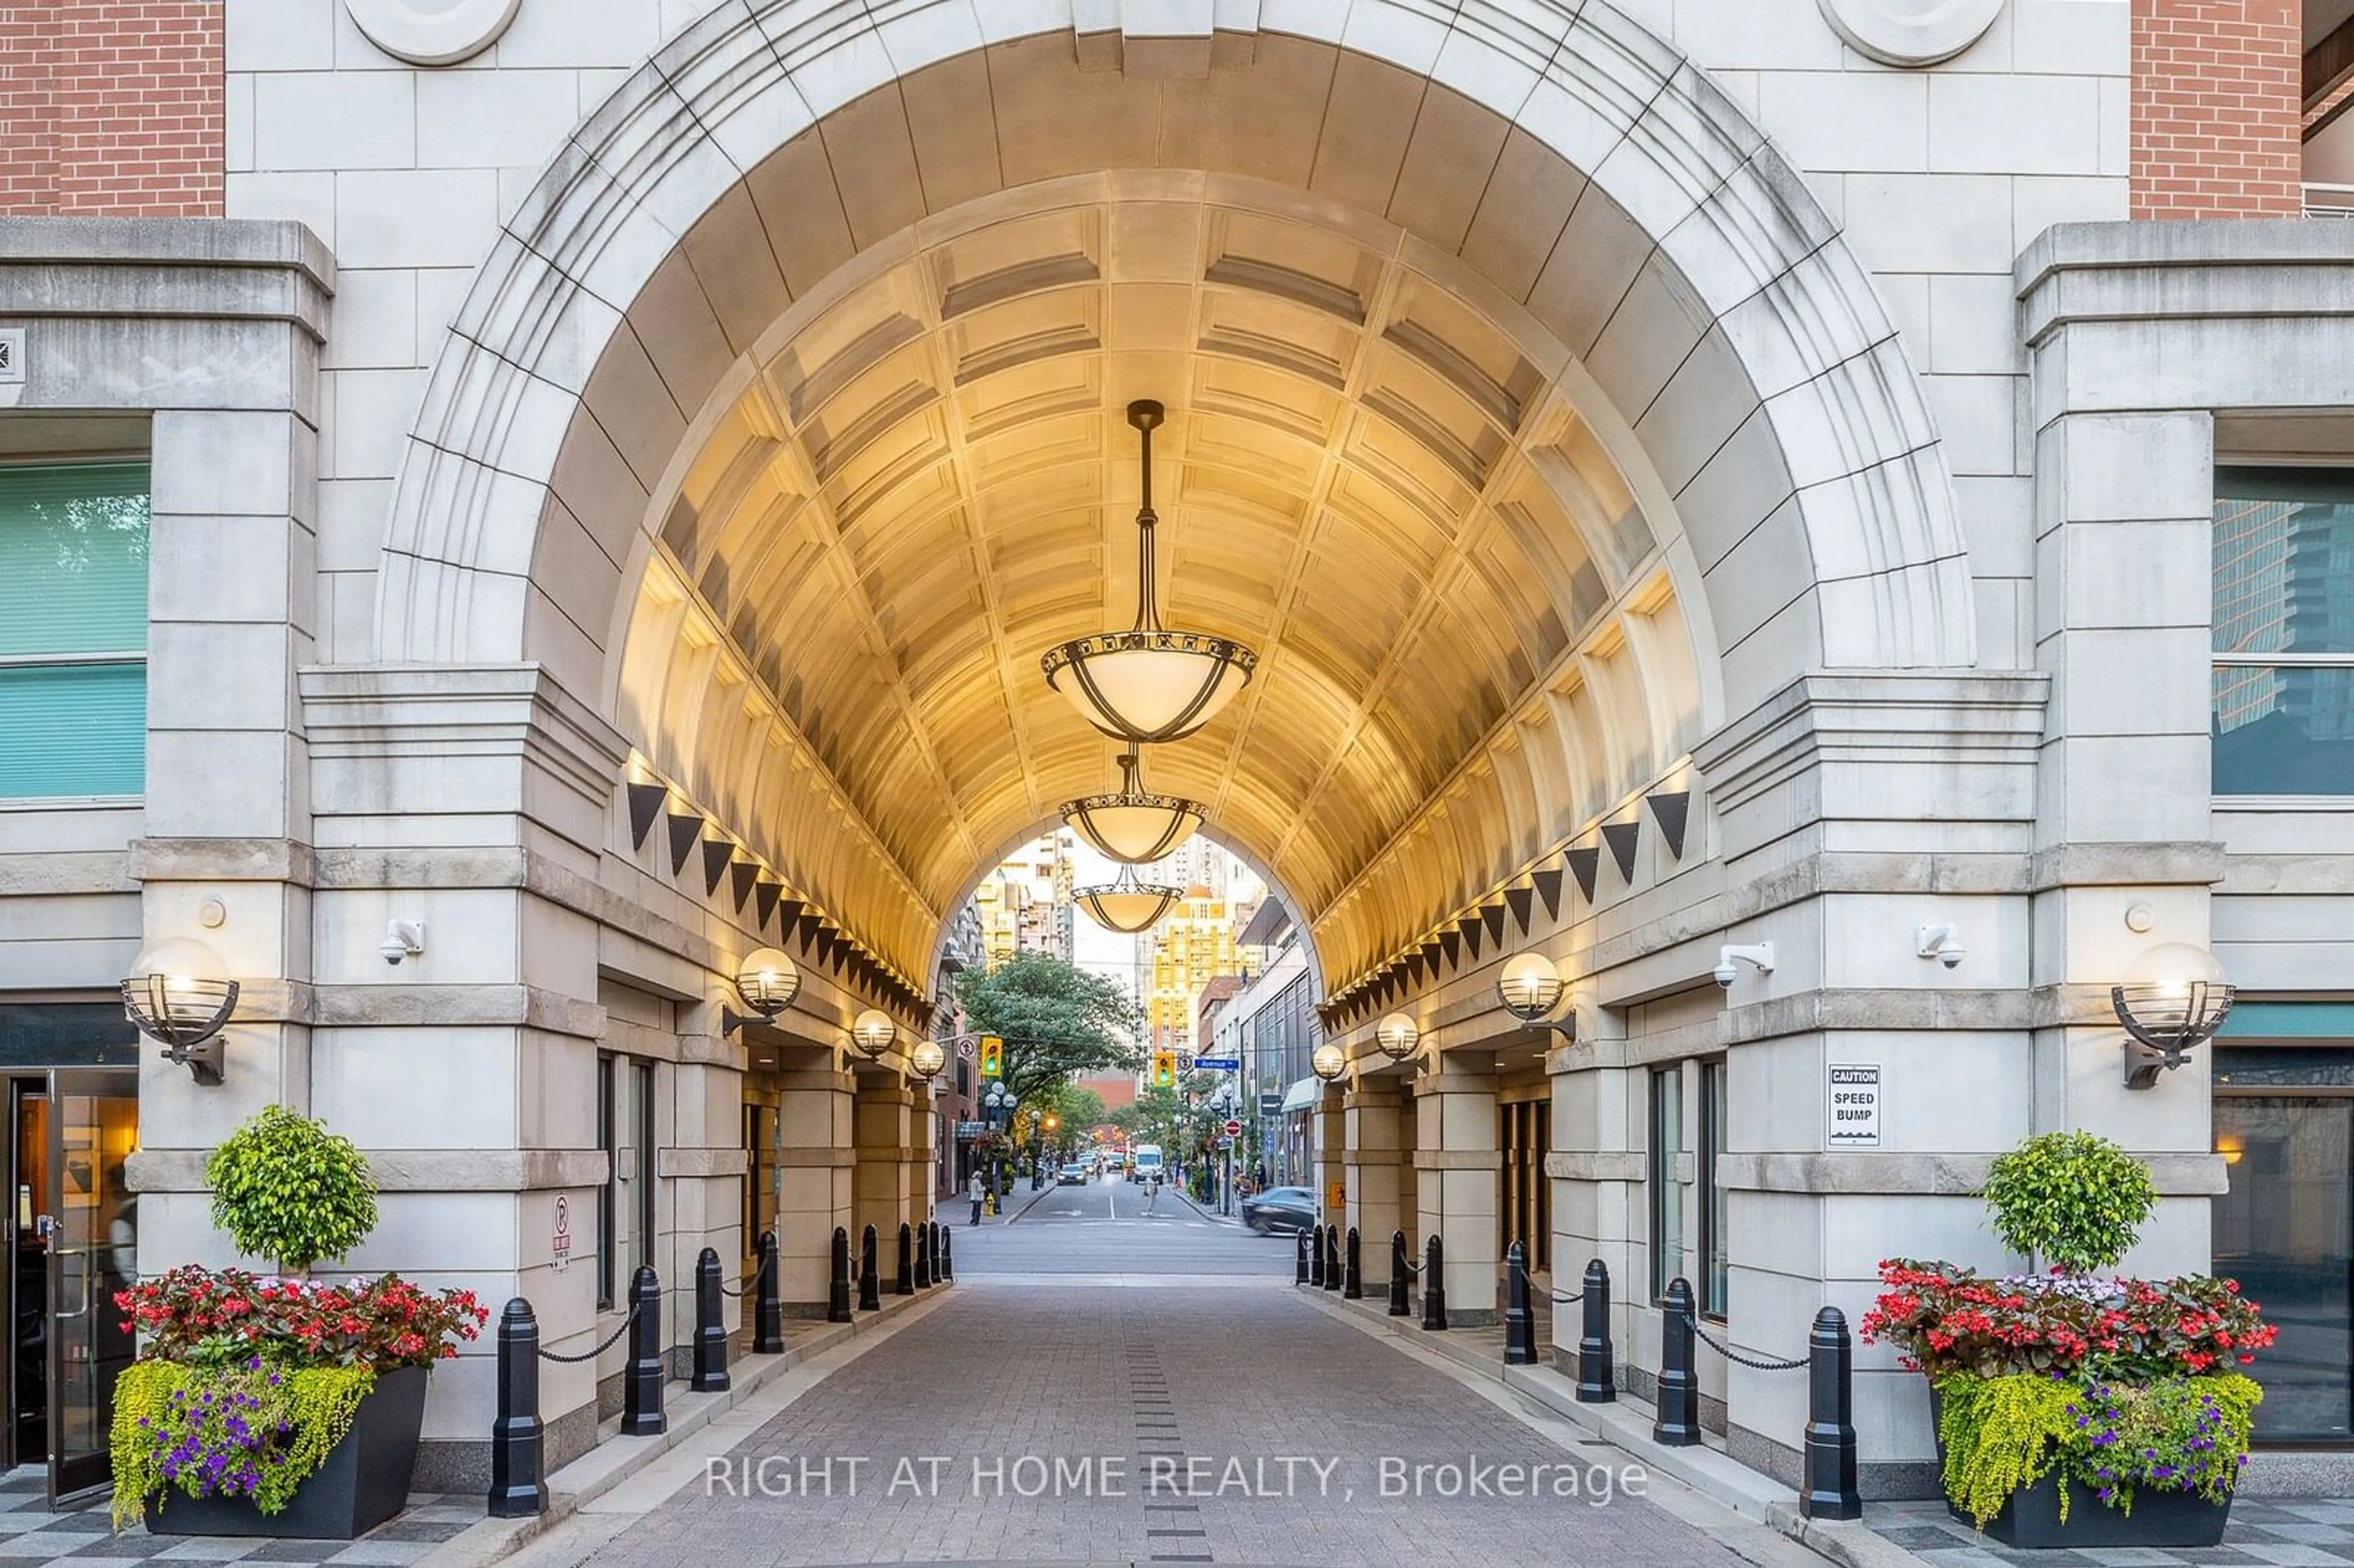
1056, 1019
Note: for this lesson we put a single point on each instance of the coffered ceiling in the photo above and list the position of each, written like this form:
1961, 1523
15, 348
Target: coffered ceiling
1374, 472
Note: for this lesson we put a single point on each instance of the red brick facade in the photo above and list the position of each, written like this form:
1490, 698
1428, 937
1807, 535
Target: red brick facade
2215, 108
112, 108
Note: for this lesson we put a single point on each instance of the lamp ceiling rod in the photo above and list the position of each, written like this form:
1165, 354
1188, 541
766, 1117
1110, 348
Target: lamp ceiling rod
1146, 415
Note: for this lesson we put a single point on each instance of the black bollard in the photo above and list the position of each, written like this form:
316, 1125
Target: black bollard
932, 1251
1677, 1425
1353, 1274
641, 1381
710, 1333
1316, 1260
1434, 1286
1597, 1375
518, 1457
1520, 1323
837, 1285
870, 1272
1829, 1491
1399, 1306
948, 1255
768, 1308
1299, 1264
923, 1257
905, 1284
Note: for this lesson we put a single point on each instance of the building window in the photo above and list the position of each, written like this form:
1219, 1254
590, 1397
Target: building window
608, 1204
1524, 1130
2283, 639
642, 1090
1715, 1260
1666, 1189
759, 1174
73, 629
2285, 1227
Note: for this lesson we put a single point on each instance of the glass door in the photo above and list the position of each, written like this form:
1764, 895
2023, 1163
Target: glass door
93, 1233
2286, 1230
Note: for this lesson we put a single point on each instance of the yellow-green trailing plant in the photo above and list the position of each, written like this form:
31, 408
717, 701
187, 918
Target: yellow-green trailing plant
254, 1430
2002, 1435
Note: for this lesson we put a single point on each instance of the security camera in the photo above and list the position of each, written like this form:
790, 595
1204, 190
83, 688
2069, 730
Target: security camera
1942, 943
1729, 957
402, 939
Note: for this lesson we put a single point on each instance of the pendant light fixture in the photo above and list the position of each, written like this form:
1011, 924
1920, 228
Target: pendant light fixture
1133, 827
1149, 684
1128, 904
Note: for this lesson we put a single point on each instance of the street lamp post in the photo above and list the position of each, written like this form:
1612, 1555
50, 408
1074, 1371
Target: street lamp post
999, 1103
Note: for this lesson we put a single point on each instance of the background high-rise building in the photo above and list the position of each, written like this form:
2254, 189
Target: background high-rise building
1025, 903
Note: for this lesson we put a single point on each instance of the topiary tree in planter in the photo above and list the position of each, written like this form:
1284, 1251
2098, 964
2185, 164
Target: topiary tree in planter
2073, 1200
286, 1189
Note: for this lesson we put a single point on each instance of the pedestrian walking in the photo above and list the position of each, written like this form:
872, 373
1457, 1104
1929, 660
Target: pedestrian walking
1152, 1193
974, 1192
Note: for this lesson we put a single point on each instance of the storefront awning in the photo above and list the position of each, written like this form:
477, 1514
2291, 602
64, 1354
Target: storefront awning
1302, 1095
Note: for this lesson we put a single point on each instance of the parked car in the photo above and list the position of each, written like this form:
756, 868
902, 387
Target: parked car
1074, 1174
1279, 1209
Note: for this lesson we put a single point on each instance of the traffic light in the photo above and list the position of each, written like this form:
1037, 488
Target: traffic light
1164, 1069
993, 1057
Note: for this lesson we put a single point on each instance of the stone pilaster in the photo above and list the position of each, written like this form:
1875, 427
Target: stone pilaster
817, 1165
1374, 1164
1456, 1180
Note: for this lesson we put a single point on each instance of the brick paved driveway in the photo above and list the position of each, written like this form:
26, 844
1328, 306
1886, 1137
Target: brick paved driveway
1151, 1420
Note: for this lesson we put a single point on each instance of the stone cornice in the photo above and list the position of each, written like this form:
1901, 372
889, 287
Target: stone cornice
1900, 717
391, 713
2139, 271
1935, 1175
156, 1170
166, 268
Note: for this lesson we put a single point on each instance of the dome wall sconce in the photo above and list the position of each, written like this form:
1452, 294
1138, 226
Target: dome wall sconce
927, 1058
1397, 1036
766, 981
1530, 988
874, 1033
179, 994
2171, 1001
1329, 1063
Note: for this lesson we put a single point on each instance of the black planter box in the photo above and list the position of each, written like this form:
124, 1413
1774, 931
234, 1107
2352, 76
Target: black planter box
2031, 1519
363, 1482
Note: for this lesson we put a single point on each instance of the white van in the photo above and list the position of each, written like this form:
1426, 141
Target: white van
1145, 1164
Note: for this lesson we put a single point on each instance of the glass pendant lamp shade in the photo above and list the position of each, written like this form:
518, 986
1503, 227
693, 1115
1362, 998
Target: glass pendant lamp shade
1149, 684
1133, 827
1126, 904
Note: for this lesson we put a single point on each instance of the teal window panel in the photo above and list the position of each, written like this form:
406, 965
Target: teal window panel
73, 559
2289, 1021
73, 729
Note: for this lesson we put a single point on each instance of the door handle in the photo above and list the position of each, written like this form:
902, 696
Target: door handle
87, 1279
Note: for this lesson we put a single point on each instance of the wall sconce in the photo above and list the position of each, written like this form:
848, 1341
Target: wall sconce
178, 992
2230, 1147
1759, 955
1329, 1063
926, 1059
1531, 987
2171, 1001
874, 1035
1397, 1036
767, 982
1942, 943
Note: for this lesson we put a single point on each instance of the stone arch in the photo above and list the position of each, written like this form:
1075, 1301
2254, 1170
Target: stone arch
1698, 291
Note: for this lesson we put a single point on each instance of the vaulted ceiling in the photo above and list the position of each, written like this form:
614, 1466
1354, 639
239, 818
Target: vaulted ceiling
1376, 470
